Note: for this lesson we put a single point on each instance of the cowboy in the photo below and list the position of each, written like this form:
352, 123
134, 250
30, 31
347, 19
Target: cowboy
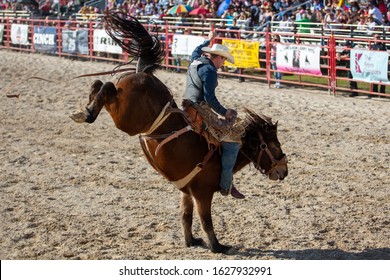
201, 84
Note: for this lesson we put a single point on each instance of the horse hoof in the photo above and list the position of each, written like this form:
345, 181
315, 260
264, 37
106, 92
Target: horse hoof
79, 117
227, 250
196, 242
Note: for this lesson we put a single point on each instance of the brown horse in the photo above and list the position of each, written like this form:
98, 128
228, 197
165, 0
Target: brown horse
139, 103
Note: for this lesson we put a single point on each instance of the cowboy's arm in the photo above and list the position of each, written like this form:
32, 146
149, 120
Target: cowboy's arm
209, 78
198, 50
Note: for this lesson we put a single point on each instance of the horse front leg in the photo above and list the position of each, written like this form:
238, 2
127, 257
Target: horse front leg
97, 98
203, 205
186, 213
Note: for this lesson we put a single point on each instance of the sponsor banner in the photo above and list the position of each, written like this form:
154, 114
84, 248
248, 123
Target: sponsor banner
75, 41
246, 54
19, 34
45, 39
298, 58
103, 43
184, 45
1, 32
369, 66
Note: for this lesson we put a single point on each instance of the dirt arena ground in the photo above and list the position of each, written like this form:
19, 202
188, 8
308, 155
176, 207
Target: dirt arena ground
80, 191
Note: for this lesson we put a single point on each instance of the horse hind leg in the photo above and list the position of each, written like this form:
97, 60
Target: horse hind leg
97, 98
186, 211
95, 88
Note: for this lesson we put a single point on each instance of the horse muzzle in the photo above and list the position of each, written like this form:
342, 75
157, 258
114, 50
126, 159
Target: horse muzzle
278, 170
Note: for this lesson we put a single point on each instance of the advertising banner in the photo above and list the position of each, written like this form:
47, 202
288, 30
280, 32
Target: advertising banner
75, 41
45, 39
19, 34
298, 58
184, 45
246, 54
103, 43
1, 32
369, 66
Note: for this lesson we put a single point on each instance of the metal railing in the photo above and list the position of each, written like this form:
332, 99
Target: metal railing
332, 78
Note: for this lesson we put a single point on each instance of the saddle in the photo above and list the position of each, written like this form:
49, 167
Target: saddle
214, 129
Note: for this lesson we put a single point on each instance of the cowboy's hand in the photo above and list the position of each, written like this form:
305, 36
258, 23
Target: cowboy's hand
231, 115
211, 35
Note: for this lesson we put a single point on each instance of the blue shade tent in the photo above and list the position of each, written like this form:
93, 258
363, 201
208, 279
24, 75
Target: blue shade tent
223, 7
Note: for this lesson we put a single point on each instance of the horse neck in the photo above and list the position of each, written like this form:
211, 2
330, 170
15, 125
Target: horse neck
241, 162
243, 157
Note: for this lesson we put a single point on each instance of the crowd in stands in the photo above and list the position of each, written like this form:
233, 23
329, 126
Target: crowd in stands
43, 8
250, 14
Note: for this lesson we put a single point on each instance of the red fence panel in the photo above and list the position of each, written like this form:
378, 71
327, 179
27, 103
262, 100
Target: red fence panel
332, 78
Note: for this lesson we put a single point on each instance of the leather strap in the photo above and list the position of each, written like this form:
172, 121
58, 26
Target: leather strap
171, 137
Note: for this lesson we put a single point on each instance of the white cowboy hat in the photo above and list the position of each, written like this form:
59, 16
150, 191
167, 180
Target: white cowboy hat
221, 50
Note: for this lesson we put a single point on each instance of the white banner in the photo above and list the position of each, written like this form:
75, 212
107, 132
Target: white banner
369, 66
19, 34
103, 43
185, 44
298, 58
1, 32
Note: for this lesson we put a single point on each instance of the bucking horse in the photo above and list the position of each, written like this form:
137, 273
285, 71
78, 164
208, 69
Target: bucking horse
140, 104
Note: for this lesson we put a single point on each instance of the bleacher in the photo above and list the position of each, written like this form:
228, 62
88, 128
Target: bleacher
200, 26
14, 14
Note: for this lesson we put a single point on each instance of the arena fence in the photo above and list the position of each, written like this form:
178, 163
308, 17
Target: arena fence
303, 59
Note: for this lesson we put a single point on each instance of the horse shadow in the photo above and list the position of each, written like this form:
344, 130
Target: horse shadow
318, 254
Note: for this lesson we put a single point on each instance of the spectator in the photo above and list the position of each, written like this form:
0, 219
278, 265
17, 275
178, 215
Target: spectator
70, 23
277, 4
370, 25
266, 16
234, 28
312, 16
285, 25
377, 46
45, 9
277, 75
375, 13
327, 16
3, 5
382, 7
255, 14
318, 5
287, 4
362, 23
345, 56
354, 8
304, 23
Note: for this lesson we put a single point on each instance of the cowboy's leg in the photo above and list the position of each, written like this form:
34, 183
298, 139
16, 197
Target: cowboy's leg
228, 160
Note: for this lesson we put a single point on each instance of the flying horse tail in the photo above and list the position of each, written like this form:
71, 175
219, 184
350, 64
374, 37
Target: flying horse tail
134, 39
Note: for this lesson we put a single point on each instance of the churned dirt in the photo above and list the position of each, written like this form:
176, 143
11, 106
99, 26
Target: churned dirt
80, 191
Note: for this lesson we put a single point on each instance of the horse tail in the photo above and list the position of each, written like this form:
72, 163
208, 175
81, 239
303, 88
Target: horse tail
133, 38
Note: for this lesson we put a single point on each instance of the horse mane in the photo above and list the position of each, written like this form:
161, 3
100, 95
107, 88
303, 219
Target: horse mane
134, 39
257, 121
